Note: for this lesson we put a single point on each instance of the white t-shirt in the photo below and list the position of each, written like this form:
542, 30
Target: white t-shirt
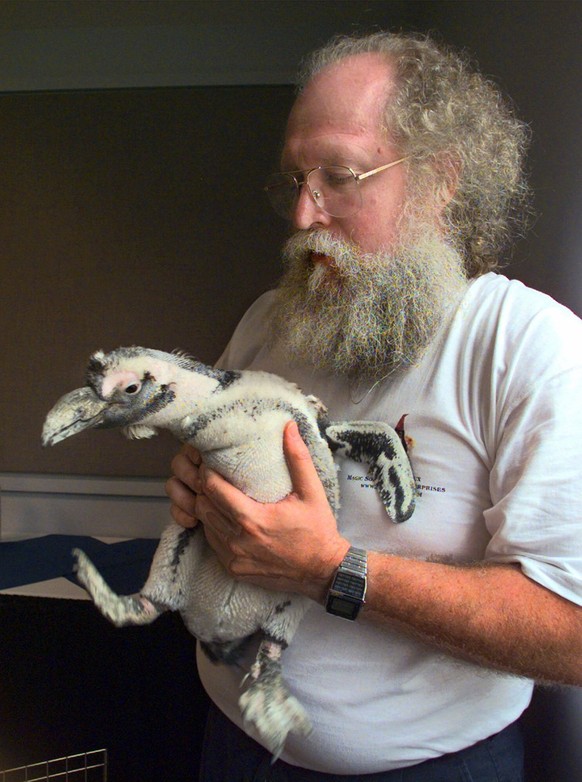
495, 414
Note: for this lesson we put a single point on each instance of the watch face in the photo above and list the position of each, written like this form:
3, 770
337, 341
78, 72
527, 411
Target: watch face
342, 607
350, 585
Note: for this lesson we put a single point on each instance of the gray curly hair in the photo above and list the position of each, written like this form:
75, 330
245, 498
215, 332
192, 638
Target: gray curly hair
459, 133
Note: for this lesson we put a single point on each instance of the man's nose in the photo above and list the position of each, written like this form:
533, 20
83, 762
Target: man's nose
306, 213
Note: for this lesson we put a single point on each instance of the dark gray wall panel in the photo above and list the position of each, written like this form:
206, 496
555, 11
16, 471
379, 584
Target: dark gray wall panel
127, 217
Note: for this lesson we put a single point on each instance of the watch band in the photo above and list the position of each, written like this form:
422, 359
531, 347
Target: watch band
348, 589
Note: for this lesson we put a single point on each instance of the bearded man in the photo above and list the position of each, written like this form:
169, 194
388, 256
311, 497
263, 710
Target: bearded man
402, 175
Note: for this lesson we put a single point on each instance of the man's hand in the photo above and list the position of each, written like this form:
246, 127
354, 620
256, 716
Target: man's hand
292, 545
184, 485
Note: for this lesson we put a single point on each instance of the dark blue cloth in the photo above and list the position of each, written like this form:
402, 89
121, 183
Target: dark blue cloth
124, 565
229, 754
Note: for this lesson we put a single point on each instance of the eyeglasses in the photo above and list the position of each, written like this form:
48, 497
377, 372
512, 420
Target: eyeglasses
334, 189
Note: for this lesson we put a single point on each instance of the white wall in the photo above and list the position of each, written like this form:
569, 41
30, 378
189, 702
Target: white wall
36, 505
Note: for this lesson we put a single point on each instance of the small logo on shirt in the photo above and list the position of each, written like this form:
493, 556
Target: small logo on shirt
422, 487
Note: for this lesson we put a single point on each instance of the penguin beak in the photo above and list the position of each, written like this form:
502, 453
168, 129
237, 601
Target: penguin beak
78, 410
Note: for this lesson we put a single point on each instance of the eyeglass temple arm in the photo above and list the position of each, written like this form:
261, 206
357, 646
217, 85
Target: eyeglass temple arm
300, 181
380, 168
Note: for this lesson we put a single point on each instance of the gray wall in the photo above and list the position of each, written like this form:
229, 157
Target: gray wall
128, 217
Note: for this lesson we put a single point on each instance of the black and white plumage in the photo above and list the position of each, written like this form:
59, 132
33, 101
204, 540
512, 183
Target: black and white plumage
236, 421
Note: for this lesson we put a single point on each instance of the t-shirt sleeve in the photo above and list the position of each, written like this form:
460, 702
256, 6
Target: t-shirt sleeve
536, 480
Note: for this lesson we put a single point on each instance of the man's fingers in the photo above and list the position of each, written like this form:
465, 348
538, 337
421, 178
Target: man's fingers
191, 453
213, 519
183, 503
186, 471
182, 518
225, 497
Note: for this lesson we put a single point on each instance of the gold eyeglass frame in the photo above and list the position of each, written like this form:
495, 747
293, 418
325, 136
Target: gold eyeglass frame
315, 195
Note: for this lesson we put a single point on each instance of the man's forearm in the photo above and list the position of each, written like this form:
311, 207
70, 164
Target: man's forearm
490, 614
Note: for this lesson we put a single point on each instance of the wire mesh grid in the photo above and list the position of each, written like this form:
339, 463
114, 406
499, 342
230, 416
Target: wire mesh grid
83, 767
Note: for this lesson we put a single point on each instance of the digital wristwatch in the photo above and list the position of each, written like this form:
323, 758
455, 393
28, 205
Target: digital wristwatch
348, 590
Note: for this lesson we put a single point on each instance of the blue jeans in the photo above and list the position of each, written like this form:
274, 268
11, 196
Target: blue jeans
229, 755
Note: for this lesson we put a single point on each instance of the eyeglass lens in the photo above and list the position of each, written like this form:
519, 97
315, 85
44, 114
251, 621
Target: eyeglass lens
333, 188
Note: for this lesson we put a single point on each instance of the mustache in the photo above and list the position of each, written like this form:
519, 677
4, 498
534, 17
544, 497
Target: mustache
302, 244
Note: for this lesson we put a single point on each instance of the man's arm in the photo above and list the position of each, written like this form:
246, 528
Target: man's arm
491, 614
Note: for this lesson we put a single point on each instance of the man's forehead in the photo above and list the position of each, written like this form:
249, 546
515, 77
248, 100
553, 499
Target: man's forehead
348, 95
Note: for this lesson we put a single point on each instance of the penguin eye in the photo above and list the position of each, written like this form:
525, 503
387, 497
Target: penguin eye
133, 388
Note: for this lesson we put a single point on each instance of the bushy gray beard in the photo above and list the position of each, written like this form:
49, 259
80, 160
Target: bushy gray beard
367, 315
